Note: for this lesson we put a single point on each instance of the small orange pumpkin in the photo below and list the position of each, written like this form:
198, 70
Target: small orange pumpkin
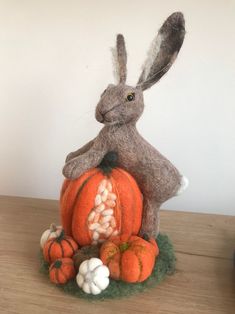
101, 204
62, 270
63, 246
129, 258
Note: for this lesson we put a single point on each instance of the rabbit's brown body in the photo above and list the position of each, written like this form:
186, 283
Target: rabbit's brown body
119, 108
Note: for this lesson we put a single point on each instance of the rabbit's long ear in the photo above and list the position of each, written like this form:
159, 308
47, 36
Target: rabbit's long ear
164, 50
121, 58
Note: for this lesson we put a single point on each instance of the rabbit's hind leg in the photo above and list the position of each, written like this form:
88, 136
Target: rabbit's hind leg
150, 219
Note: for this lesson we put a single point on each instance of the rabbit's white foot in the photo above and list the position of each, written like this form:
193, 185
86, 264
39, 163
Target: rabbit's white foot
183, 185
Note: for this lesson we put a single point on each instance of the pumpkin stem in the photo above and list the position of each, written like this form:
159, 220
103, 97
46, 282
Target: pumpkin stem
109, 162
124, 246
57, 263
53, 227
60, 237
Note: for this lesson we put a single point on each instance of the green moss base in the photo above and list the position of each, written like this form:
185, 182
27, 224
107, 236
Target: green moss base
165, 265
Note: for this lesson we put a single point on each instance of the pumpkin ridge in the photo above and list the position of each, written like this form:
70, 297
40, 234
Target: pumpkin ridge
68, 211
57, 275
133, 197
141, 266
49, 250
65, 196
136, 252
67, 241
62, 272
81, 188
62, 249
117, 207
138, 200
126, 215
138, 212
65, 186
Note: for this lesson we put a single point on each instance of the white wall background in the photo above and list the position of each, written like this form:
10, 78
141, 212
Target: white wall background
55, 60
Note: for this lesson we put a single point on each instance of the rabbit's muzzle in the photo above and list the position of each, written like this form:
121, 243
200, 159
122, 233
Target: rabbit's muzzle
99, 116
102, 116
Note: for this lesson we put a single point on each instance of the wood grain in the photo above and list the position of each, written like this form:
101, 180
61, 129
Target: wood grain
204, 281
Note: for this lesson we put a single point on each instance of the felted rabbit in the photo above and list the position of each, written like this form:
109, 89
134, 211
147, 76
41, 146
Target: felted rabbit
119, 108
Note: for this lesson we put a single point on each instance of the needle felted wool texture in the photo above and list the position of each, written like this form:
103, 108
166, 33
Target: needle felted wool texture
118, 211
165, 265
119, 108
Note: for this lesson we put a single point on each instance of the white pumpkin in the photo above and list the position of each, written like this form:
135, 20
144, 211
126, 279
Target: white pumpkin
93, 276
53, 232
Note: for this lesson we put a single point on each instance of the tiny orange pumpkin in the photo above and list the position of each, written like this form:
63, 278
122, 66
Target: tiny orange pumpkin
129, 258
62, 270
63, 246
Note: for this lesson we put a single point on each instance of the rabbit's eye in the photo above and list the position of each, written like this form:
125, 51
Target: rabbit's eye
130, 97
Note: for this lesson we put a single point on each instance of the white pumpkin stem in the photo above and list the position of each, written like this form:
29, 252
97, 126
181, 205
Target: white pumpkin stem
53, 227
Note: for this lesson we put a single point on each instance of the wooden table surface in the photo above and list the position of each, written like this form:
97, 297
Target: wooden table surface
203, 283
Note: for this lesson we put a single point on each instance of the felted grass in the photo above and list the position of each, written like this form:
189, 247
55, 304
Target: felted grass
165, 265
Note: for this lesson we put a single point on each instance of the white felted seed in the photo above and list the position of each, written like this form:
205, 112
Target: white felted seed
107, 212
105, 219
113, 222
104, 195
115, 233
112, 196
96, 218
98, 200
109, 186
100, 230
91, 216
101, 189
94, 226
95, 235
104, 182
100, 208
110, 203
109, 231
105, 225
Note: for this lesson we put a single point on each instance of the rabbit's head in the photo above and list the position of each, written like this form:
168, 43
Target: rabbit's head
121, 103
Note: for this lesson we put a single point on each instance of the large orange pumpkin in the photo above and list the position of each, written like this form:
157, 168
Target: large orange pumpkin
129, 258
101, 204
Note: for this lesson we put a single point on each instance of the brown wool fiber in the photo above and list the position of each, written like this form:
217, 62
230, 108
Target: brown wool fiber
119, 108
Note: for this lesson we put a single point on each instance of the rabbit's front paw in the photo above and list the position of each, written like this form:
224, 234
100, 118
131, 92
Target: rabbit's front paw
69, 170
